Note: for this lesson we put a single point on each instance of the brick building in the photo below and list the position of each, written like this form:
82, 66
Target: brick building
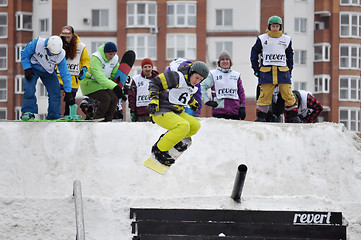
326, 39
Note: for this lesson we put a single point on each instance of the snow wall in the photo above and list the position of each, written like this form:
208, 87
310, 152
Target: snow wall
293, 167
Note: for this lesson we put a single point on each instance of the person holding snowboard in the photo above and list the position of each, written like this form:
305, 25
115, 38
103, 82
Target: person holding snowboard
138, 94
39, 59
170, 93
274, 68
98, 83
77, 58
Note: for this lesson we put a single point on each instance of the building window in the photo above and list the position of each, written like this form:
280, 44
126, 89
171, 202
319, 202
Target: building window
3, 57
350, 56
3, 3
3, 89
3, 113
350, 24
18, 48
19, 84
100, 17
300, 25
351, 2
141, 14
220, 46
44, 25
44, 1
96, 45
24, 21
322, 83
145, 45
3, 25
181, 14
224, 17
319, 25
300, 57
181, 46
135, 70
299, 85
322, 52
350, 88
350, 117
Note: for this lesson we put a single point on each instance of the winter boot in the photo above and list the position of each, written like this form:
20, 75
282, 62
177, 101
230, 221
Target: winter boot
27, 116
183, 145
87, 109
162, 157
261, 116
293, 115
275, 118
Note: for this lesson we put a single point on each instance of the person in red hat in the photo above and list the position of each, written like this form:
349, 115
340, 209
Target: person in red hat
77, 58
138, 95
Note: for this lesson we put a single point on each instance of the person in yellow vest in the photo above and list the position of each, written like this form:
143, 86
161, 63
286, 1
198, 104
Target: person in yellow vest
77, 59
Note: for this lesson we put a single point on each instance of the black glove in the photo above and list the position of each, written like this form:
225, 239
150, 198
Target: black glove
212, 104
69, 99
119, 92
242, 113
153, 106
256, 73
194, 106
28, 74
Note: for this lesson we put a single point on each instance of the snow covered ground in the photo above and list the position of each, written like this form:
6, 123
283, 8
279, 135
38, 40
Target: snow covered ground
296, 167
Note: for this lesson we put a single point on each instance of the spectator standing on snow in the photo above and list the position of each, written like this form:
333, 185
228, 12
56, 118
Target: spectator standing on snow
228, 99
77, 58
276, 60
39, 59
138, 94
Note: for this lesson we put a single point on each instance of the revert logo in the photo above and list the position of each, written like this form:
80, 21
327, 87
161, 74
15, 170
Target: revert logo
312, 218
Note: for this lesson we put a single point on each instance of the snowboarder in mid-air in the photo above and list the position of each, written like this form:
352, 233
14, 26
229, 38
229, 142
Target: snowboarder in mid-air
170, 93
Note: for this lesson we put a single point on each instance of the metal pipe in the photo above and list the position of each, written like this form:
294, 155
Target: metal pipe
79, 216
239, 182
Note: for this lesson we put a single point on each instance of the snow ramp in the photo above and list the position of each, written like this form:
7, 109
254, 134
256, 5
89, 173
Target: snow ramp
291, 167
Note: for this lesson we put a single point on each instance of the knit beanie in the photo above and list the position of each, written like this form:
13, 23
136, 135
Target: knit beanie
146, 61
110, 47
224, 55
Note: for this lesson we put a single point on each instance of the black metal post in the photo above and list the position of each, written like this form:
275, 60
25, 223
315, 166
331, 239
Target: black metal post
239, 182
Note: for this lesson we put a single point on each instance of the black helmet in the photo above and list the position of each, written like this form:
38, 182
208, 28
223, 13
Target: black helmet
297, 96
200, 68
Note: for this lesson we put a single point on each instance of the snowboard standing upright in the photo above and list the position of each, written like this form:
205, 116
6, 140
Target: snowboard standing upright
125, 66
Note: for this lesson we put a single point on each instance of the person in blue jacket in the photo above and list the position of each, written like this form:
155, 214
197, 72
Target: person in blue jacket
272, 63
39, 59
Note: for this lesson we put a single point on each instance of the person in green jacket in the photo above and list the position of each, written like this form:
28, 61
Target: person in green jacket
98, 83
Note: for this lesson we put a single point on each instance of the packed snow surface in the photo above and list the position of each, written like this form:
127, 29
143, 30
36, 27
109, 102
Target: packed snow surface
295, 167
